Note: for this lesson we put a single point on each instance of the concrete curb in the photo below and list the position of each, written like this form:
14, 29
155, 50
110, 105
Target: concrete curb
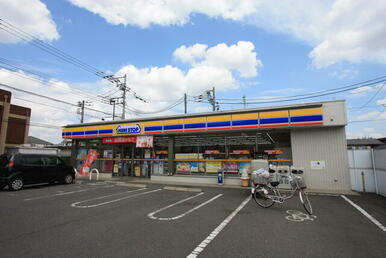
183, 189
184, 186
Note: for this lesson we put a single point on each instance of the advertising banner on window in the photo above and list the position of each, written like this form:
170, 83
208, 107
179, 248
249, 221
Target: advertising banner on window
230, 167
196, 166
121, 139
85, 169
144, 142
81, 153
213, 166
244, 166
183, 167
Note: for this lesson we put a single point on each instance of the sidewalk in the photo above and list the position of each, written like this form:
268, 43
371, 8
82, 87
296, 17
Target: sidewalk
126, 179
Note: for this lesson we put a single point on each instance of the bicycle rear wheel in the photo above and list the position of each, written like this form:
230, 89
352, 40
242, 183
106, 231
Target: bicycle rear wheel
305, 201
261, 196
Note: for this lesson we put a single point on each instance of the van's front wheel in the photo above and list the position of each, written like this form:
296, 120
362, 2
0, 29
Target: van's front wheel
68, 179
16, 184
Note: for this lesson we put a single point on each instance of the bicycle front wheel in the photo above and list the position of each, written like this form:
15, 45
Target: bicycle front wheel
262, 194
305, 201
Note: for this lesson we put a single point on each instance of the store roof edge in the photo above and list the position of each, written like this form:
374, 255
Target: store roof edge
213, 113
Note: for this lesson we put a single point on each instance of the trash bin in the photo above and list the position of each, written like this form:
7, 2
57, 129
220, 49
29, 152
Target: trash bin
220, 177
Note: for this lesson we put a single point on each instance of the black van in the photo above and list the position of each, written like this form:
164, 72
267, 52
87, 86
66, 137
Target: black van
17, 170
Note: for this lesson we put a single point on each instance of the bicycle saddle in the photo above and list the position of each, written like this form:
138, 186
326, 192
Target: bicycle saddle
274, 184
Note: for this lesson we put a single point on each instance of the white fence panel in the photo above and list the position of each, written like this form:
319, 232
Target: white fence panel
361, 171
380, 167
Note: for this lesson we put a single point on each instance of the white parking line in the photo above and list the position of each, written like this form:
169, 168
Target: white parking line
65, 193
151, 215
76, 204
372, 219
217, 230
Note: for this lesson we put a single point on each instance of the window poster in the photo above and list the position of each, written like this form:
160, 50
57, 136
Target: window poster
183, 167
81, 154
147, 154
144, 142
230, 167
213, 166
196, 166
108, 154
244, 166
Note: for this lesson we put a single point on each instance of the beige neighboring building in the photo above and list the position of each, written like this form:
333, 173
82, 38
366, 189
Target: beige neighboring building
14, 122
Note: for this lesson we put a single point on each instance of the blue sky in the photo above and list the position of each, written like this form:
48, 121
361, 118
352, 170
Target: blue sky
252, 48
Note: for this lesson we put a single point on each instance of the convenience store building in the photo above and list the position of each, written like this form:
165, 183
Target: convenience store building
193, 147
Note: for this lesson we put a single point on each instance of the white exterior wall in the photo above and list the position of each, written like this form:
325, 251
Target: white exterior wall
326, 144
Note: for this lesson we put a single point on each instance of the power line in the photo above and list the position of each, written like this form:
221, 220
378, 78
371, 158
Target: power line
371, 120
371, 99
292, 98
136, 111
50, 98
55, 107
29, 38
12, 70
33, 124
360, 84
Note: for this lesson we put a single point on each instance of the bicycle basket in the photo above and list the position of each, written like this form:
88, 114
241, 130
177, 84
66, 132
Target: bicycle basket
300, 181
260, 180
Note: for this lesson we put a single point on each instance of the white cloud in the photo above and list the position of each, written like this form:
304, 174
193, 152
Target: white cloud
143, 13
353, 31
339, 30
372, 115
31, 16
381, 102
362, 90
345, 73
208, 69
190, 54
240, 57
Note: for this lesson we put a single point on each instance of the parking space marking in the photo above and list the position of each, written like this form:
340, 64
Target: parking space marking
76, 204
298, 216
217, 230
65, 193
130, 184
151, 215
372, 219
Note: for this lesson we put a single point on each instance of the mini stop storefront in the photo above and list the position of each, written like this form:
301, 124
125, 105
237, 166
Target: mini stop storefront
194, 147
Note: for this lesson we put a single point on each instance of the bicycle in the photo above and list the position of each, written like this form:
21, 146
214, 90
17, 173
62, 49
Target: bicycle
266, 196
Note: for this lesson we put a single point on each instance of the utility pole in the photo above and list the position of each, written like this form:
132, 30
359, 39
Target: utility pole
123, 88
211, 97
81, 104
214, 98
244, 102
185, 103
113, 101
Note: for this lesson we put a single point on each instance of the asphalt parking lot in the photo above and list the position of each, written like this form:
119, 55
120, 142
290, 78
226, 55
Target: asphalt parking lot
132, 220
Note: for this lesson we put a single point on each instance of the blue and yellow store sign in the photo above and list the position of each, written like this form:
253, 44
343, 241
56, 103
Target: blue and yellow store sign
226, 121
